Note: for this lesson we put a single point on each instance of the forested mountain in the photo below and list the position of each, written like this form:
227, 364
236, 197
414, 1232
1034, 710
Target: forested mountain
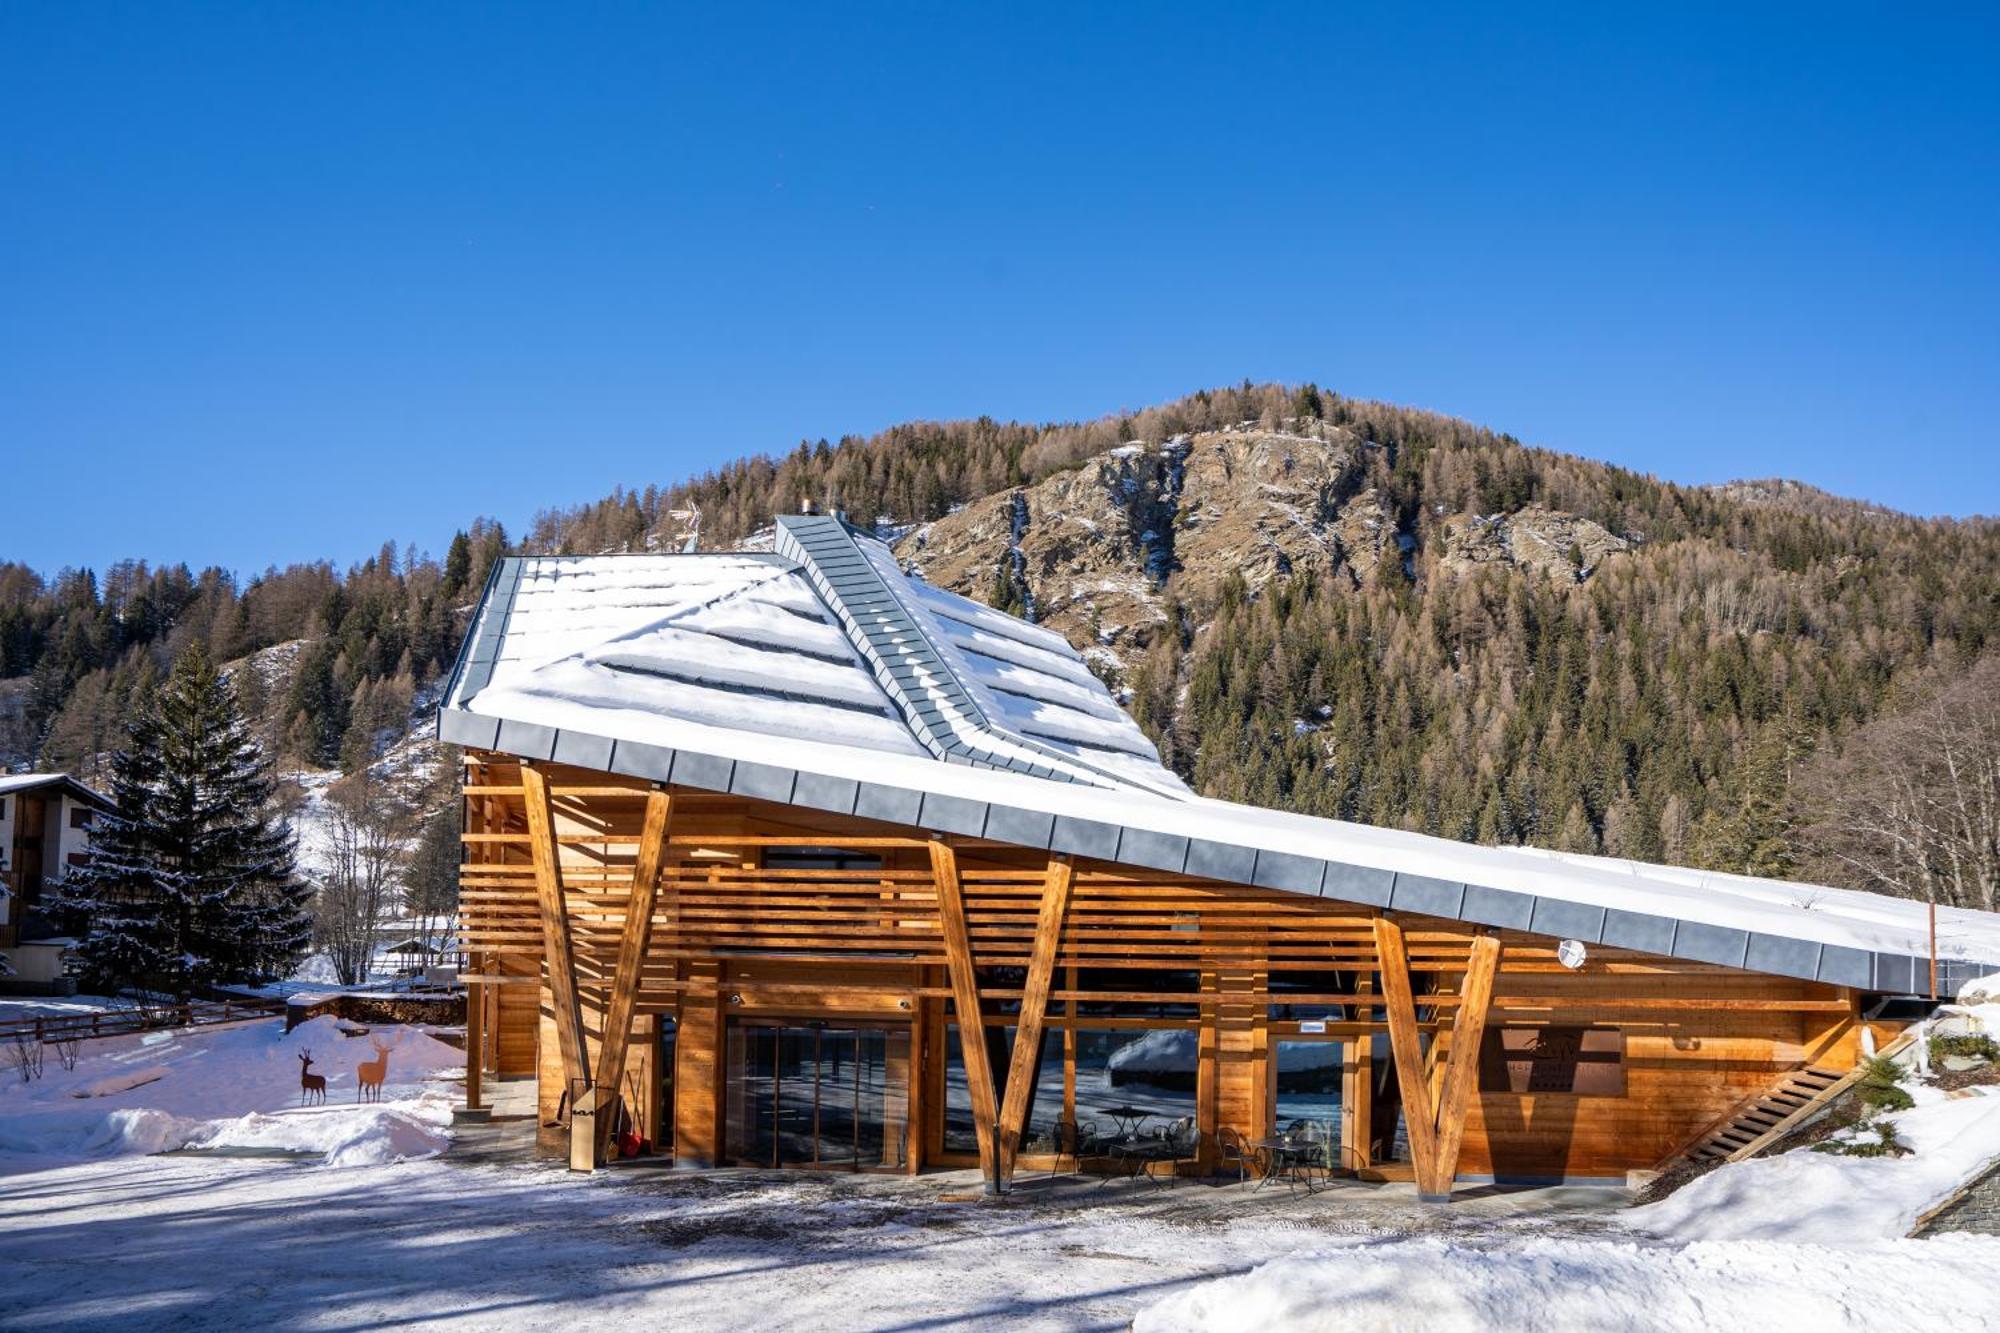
347, 652
1310, 601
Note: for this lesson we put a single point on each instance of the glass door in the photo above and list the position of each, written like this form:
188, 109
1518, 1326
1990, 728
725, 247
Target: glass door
817, 1096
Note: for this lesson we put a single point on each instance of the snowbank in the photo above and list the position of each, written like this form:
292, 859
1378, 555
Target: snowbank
230, 1088
1981, 991
340, 1136
1827, 1199
16, 1007
1446, 1286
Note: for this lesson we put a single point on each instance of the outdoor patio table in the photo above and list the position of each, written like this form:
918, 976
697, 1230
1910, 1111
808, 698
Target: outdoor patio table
1128, 1119
1134, 1154
1292, 1161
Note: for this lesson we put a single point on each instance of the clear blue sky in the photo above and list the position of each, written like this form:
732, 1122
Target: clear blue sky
281, 281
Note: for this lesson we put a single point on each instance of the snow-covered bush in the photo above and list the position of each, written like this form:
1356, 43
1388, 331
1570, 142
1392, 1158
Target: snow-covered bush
1880, 1086
1877, 1139
1974, 1046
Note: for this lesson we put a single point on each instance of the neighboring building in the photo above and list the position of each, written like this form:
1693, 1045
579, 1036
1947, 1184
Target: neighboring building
751, 839
45, 825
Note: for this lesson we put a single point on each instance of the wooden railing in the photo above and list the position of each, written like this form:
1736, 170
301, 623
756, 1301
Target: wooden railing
141, 1018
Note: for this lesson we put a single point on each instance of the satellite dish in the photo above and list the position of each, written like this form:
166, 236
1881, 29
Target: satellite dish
1571, 954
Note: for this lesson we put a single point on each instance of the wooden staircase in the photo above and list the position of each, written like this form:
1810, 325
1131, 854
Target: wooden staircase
1768, 1115
1772, 1114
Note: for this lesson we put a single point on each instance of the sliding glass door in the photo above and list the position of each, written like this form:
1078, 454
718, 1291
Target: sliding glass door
817, 1095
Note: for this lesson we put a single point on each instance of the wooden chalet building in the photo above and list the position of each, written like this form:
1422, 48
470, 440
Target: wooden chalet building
46, 821
753, 840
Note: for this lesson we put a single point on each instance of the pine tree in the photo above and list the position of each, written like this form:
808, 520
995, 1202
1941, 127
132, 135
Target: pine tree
317, 707
190, 884
457, 565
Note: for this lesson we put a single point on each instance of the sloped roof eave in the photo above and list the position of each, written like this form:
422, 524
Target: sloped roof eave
21, 783
1304, 860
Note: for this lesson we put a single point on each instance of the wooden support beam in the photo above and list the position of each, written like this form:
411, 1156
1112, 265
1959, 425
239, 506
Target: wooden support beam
475, 1046
1034, 1009
1357, 1091
559, 957
1461, 1069
965, 997
1435, 1123
632, 944
1406, 1046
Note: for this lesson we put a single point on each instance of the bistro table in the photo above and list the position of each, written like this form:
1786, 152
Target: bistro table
1292, 1160
1127, 1118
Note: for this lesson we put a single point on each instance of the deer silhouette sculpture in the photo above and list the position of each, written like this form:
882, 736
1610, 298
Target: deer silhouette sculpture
312, 1087
372, 1072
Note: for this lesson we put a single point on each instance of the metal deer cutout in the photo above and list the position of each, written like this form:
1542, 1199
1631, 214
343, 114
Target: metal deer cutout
372, 1072
311, 1086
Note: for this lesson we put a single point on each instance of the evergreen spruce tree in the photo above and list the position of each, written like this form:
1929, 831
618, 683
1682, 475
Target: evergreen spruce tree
191, 883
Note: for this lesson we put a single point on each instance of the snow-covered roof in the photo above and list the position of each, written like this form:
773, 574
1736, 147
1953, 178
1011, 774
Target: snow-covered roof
823, 676
14, 783
826, 640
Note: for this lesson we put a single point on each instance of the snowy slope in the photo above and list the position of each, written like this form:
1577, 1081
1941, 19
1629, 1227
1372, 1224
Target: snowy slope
234, 1086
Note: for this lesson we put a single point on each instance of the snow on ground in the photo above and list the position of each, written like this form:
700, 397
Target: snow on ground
1449, 1286
233, 1087
1852, 1199
16, 1007
437, 1244
1800, 1240
514, 1243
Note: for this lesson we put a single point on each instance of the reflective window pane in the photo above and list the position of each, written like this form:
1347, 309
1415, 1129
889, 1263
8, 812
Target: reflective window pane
1308, 1092
1132, 1082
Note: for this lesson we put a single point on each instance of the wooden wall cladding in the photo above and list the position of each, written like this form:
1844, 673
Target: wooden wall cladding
731, 936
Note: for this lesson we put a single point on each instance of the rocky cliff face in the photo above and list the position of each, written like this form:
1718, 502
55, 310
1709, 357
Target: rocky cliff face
1546, 541
1096, 552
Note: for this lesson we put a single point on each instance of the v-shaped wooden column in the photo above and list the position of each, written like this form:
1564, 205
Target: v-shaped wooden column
559, 957
1034, 1010
1436, 1124
965, 999
647, 868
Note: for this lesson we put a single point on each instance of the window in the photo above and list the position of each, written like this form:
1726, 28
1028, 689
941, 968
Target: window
819, 858
1585, 1062
1308, 1076
80, 816
1129, 1079
1159, 982
1045, 1100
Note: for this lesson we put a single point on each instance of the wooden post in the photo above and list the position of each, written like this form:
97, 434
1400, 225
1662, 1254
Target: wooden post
1034, 1009
1461, 1070
965, 998
638, 934
475, 1044
1406, 1046
1436, 1123
1357, 1091
559, 956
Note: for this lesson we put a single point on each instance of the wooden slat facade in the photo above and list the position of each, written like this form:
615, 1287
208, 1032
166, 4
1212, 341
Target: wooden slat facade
926, 929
